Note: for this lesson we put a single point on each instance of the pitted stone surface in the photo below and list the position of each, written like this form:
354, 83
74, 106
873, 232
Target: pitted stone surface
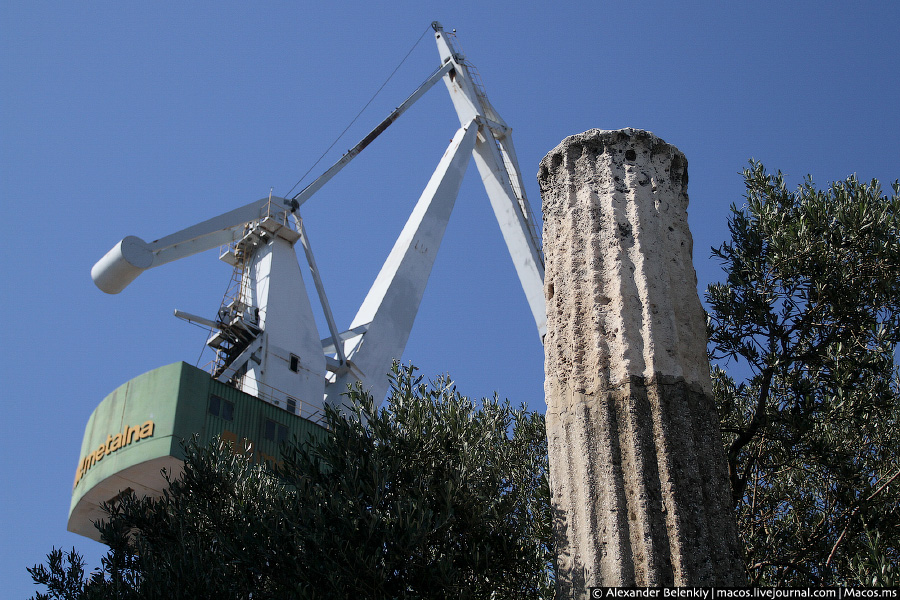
637, 469
623, 253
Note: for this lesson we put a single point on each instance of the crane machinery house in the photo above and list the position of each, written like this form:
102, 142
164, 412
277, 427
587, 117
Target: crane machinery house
273, 372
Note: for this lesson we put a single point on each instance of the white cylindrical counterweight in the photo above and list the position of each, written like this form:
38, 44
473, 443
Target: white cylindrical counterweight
121, 265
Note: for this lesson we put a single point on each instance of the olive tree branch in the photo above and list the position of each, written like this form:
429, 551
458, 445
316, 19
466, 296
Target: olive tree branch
859, 504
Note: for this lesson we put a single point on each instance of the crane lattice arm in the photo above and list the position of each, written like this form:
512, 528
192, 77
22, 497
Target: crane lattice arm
268, 331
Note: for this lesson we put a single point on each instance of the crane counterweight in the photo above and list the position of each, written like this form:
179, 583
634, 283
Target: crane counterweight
122, 264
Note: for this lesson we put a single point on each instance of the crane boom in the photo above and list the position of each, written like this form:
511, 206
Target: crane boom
266, 336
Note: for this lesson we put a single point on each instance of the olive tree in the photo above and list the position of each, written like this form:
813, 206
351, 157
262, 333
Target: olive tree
803, 335
434, 496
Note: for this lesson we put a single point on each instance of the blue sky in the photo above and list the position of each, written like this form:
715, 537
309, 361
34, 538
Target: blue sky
142, 118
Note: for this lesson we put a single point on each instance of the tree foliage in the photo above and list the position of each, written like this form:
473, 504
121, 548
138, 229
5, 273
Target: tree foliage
435, 496
809, 316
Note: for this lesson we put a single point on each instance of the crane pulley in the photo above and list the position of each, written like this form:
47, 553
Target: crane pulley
266, 335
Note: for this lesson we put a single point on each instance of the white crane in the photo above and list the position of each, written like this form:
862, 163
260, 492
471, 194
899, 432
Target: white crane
265, 336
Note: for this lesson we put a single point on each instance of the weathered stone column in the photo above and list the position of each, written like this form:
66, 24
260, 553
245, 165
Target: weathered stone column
637, 469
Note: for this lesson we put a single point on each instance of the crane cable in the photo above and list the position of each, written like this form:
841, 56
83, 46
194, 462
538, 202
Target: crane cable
378, 91
375, 95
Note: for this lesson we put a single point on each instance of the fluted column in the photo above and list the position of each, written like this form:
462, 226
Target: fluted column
637, 469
